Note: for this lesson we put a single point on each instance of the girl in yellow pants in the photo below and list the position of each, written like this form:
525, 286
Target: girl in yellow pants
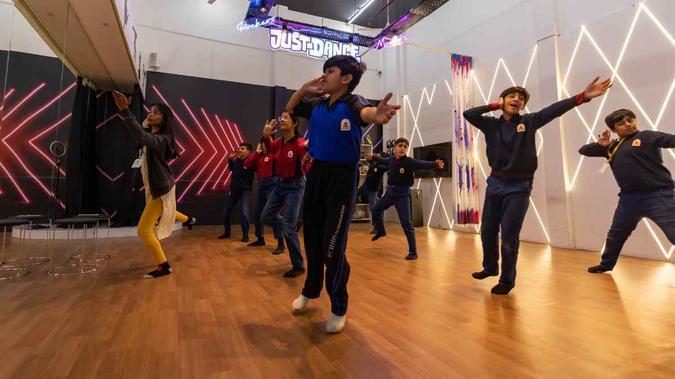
159, 147
146, 228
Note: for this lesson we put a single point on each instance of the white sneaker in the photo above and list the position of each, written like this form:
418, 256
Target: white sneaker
300, 303
335, 323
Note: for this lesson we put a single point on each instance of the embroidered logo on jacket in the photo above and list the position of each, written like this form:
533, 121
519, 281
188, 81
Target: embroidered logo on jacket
290, 154
637, 143
345, 125
520, 128
267, 159
401, 171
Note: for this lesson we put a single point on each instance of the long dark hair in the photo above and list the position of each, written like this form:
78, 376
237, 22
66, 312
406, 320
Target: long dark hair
167, 127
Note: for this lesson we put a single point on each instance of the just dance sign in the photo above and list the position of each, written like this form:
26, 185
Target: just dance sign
314, 47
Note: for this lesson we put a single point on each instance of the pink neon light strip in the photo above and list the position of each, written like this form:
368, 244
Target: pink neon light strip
23, 165
180, 121
215, 151
236, 128
24, 100
9, 93
42, 153
237, 141
232, 145
7, 96
224, 154
108, 120
16, 185
108, 176
37, 112
196, 158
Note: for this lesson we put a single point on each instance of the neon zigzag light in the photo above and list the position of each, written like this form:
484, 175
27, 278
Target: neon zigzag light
187, 130
224, 153
7, 96
232, 144
415, 116
615, 76
642, 9
215, 151
429, 99
24, 101
22, 124
236, 137
42, 153
4, 169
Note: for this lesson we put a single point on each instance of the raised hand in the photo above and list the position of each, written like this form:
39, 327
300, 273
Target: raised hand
121, 101
384, 112
604, 138
269, 128
597, 88
369, 156
314, 86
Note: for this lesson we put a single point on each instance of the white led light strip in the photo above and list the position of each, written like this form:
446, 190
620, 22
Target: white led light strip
642, 9
616, 77
415, 116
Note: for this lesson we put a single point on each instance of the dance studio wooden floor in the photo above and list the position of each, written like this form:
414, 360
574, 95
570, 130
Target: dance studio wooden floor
225, 312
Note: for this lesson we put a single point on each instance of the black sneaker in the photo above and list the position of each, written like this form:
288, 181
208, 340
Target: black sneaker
258, 242
598, 269
501, 289
190, 223
244, 239
411, 256
294, 272
378, 235
480, 275
281, 247
161, 270
224, 236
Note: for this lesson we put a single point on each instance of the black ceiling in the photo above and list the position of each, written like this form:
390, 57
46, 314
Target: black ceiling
341, 10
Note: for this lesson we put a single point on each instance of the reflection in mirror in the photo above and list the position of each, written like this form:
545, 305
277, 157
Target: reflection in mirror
38, 92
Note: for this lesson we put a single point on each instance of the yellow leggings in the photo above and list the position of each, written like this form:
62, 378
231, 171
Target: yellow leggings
146, 228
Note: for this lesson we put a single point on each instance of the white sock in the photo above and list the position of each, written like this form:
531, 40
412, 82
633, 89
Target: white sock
335, 323
300, 303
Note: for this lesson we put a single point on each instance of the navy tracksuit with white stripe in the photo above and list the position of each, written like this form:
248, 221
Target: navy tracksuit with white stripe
335, 144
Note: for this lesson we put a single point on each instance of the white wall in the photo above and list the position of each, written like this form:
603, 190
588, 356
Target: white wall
16, 34
571, 216
197, 39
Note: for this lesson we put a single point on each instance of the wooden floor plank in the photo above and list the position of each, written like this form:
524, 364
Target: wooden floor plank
225, 312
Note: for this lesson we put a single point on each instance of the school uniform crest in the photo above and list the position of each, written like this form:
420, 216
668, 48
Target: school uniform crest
345, 125
637, 143
290, 154
520, 128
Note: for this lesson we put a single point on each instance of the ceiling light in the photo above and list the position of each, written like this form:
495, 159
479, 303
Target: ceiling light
359, 11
